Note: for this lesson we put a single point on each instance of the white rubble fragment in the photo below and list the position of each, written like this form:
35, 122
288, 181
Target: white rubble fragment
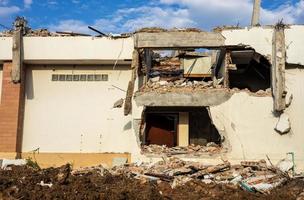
285, 165
183, 84
155, 79
283, 126
263, 186
163, 83
118, 103
45, 184
236, 180
4, 163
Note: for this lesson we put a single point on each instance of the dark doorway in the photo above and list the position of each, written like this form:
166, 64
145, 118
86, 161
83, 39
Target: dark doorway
161, 126
161, 129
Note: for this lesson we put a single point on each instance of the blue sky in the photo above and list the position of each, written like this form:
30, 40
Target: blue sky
128, 15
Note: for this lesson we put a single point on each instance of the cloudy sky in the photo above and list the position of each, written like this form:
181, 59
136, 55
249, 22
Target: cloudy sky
115, 16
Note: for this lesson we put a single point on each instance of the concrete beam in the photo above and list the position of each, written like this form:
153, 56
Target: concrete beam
255, 20
174, 39
17, 55
211, 97
130, 91
278, 68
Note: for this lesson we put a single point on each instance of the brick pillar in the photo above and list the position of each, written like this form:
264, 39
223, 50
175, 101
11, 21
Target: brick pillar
11, 112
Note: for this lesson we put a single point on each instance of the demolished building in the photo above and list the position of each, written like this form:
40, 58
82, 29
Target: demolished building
233, 94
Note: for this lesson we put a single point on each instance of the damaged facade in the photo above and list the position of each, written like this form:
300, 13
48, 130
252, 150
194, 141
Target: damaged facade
232, 94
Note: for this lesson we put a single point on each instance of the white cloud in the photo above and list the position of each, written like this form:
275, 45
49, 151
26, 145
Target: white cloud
70, 25
27, 3
231, 12
203, 14
131, 19
8, 11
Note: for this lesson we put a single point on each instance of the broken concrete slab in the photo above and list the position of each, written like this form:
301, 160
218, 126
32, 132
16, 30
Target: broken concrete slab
4, 163
175, 39
283, 126
119, 103
198, 98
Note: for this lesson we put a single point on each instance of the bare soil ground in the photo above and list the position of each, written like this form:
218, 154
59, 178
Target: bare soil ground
24, 182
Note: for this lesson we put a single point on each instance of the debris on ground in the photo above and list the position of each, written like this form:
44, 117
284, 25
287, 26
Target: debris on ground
6, 163
191, 150
167, 179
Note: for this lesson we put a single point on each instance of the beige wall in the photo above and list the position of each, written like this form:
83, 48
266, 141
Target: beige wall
70, 49
294, 43
1, 78
76, 117
6, 46
259, 38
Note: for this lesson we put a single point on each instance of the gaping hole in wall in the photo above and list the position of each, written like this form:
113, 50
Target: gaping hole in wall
201, 129
178, 69
183, 129
249, 70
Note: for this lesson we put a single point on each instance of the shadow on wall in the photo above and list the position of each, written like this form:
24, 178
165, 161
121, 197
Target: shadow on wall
29, 85
127, 126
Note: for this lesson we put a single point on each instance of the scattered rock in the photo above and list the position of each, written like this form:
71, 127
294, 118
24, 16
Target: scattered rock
119, 103
155, 79
283, 126
163, 83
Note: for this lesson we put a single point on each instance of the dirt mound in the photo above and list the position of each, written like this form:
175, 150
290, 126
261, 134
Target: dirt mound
24, 182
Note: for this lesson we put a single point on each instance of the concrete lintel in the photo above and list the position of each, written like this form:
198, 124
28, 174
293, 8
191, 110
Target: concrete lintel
175, 39
210, 97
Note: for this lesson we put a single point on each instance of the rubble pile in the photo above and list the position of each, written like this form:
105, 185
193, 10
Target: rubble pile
166, 68
191, 150
167, 179
251, 176
158, 85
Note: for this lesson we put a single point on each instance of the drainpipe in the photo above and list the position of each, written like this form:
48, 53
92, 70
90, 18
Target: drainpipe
255, 21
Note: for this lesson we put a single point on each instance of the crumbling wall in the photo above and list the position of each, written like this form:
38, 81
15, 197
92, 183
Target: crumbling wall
259, 38
249, 124
247, 121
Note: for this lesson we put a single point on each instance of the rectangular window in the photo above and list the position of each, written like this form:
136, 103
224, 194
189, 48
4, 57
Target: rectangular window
90, 77
97, 77
76, 77
83, 77
61, 77
69, 77
55, 77
104, 77
80, 77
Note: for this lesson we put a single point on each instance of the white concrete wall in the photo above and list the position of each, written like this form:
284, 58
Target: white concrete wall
260, 38
1, 79
6, 46
295, 44
76, 116
249, 124
78, 49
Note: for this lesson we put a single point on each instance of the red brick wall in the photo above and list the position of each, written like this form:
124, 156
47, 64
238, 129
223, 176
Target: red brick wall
11, 112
